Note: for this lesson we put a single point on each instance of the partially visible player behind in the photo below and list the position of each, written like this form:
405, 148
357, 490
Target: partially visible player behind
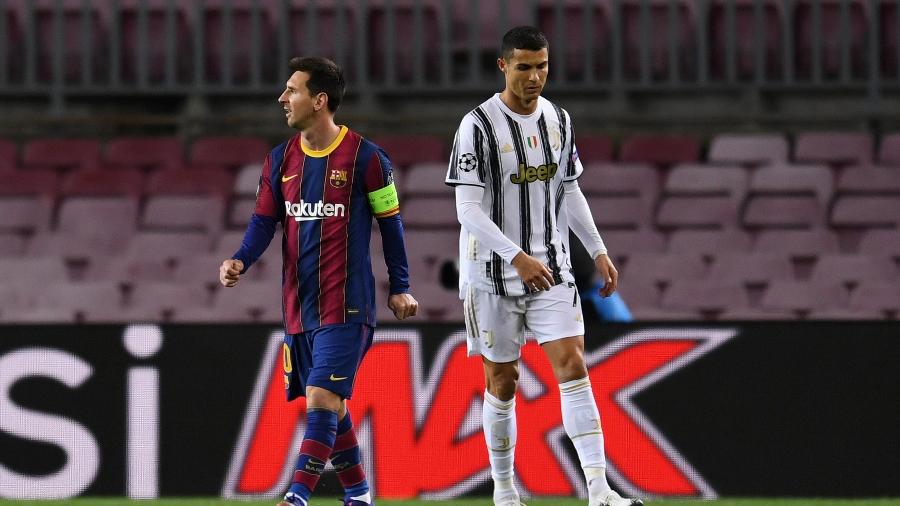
324, 186
515, 168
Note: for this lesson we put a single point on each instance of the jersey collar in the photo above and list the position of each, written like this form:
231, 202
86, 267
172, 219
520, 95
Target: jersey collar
326, 151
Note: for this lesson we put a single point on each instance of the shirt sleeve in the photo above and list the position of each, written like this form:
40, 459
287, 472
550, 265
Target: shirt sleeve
261, 227
468, 161
473, 218
265, 197
569, 155
580, 220
380, 188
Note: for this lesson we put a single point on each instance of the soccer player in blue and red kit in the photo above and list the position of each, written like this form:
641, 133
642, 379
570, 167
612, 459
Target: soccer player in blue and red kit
324, 186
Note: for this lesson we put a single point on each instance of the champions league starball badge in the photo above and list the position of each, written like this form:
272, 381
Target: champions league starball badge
467, 162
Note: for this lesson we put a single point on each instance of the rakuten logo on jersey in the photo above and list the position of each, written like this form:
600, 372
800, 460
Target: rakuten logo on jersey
306, 211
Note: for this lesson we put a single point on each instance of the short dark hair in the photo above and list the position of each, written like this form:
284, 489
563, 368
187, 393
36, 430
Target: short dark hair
522, 37
325, 76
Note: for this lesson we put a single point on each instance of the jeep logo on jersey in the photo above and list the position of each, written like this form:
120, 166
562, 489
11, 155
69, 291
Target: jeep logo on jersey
306, 211
532, 174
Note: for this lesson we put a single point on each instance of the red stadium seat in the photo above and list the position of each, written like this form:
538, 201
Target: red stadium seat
613, 190
426, 179
39, 271
885, 243
170, 247
834, 148
167, 302
25, 214
746, 40
697, 196
157, 63
28, 182
144, 152
889, 152
248, 302
709, 243
240, 209
98, 182
196, 180
619, 214
663, 268
621, 244
663, 150
831, 43
881, 296
407, 150
707, 298
103, 224
247, 180
788, 196
232, 152
865, 211
594, 148
9, 158
429, 212
849, 270
802, 297
796, 243
751, 268
61, 153
11, 244
748, 150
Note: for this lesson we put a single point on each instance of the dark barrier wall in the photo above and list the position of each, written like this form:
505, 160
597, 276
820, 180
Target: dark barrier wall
787, 409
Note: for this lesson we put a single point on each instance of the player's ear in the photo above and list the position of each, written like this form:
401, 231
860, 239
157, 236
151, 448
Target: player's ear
321, 101
501, 64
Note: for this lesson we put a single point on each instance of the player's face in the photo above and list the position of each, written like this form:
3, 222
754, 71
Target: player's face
526, 73
299, 106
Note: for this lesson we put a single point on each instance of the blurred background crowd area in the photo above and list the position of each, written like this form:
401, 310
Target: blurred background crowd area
742, 156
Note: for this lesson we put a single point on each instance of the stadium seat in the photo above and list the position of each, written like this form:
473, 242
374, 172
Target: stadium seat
203, 269
232, 152
751, 268
660, 149
707, 298
93, 302
747, 44
228, 29
170, 247
865, 211
696, 196
9, 156
129, 271
437, 303
310, 26
11, 244
28, 182
407, 150
429, 212
796, 243
182, 213
24, 215
788, 196
39, 271
595, 148
656, 55
881, 296
147, 153
60, 154
663, 268
619, 213
426, 251
248, 302
889, 151
247, 180
850, 270
109, 234
624, 243
239, 212
158, 65
831, 43
640, 295
802, 297
884, 243
77, 66
425, 179
874, 180
622, 186
167, 302
565, 25
833, 148
709, 243
748, 149
99, 182
400, 64
211, 180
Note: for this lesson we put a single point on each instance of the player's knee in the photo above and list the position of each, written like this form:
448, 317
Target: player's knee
319, 398
570, 367
503, 383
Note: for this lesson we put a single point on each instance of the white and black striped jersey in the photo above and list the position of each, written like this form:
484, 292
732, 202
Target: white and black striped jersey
521, 162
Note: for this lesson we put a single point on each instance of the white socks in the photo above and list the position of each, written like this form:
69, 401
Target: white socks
499, 422
581, 419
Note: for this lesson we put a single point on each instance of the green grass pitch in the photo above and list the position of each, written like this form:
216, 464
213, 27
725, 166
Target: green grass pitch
459, 502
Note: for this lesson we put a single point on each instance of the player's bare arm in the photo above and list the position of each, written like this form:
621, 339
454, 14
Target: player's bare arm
403, 305
230, 272
608, 273
535, 274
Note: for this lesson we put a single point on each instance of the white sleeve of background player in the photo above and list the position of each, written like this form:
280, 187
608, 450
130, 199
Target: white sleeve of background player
467, 160
580, 220
569, 156
474, 219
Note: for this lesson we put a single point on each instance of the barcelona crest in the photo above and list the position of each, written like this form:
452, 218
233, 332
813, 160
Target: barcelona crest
338, 178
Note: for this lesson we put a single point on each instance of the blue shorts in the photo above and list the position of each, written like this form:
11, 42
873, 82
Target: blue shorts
327, 357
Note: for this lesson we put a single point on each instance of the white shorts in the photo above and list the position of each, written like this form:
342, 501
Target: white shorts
495, 324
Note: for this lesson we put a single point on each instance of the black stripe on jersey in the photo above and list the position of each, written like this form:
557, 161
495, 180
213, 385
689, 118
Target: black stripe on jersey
496, 197
548, 219
515, 131
453, 172
479, 152
560, 194
564, 136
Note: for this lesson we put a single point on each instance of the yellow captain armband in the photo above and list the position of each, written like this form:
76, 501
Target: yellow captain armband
384, 202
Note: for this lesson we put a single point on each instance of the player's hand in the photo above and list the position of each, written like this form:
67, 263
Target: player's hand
403, 305
608, 273
535, 274
230, 272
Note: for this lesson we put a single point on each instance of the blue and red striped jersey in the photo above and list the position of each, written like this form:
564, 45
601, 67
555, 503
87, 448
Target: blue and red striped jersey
325, 201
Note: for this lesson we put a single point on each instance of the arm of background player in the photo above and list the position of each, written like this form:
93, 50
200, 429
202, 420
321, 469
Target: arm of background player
476, 222
394, 253
580, 220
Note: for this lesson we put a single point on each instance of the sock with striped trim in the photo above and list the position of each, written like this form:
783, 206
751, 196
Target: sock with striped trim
321, 426
581, 419
499, 423
345, 459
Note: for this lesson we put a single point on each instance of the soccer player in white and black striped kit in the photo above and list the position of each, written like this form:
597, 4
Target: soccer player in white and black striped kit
515, 168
